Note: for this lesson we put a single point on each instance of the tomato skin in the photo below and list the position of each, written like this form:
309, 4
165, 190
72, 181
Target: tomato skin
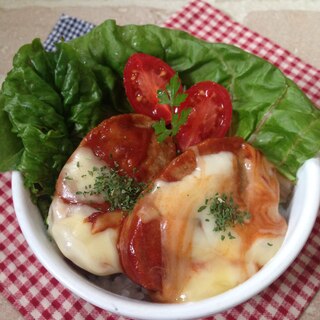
143, 76
210, 117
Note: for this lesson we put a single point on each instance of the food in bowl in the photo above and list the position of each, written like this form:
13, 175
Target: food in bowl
191, 195
258, 112
119, 295
220, 196
115, 160
210, 222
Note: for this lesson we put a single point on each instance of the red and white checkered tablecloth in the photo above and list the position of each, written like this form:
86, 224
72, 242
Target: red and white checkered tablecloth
37, 295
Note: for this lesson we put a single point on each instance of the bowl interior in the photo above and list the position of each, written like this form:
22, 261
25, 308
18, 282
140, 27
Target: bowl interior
301, 214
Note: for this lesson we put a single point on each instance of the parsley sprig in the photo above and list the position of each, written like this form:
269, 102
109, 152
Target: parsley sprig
119, 190
171, 94
172, 97
226, 213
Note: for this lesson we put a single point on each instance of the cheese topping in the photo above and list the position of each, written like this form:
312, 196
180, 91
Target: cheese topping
76, 176
96, 253
197, 263
195, 260
90, 201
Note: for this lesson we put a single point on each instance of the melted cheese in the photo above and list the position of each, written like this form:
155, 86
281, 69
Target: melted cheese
96, 253
77, 176
126, 140
261, 251
198, 263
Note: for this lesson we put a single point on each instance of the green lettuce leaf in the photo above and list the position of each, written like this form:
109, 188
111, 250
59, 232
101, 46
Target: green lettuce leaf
270, 111
10, 144
50, 100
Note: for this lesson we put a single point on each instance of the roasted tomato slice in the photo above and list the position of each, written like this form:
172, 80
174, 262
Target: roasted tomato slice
143, 76
210, 117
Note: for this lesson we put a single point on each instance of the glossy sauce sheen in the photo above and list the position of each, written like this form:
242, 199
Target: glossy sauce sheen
120, 142
84, 228
195, 263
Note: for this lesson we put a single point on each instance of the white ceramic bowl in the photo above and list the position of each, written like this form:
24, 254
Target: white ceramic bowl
301, 217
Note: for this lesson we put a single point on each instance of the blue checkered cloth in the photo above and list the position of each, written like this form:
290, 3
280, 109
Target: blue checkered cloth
66, 29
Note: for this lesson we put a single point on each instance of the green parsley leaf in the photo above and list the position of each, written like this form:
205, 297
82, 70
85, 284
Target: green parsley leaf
202, 208
171, 94
118, 189
161, 130
178, 120
163, 97
226, 213
172, 97
231, 236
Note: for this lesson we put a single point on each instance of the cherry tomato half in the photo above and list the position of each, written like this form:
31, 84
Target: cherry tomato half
143, 76
210, 117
